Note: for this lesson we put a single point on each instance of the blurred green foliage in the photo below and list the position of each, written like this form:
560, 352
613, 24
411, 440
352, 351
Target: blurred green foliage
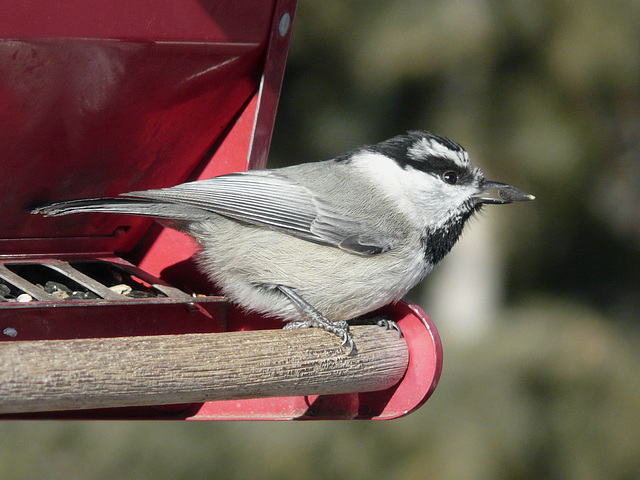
545, 95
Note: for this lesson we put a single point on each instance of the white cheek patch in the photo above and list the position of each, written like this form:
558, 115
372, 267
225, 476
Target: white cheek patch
430, 148
382, 171
435, 202
424, 198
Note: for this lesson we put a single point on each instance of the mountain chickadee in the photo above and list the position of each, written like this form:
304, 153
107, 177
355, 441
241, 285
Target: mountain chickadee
321, 243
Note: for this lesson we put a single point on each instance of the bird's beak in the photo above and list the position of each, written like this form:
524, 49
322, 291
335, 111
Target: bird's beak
499, 193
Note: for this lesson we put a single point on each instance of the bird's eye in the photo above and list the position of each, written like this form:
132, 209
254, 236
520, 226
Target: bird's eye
450, 177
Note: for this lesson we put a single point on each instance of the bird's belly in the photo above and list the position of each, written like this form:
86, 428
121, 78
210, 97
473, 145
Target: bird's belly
339, 284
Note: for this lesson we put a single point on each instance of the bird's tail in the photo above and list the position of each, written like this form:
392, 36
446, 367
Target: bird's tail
123, 205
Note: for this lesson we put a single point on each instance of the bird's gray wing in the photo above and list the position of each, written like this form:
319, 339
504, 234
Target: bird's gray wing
265, 198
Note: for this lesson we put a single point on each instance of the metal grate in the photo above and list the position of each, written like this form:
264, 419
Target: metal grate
54, 280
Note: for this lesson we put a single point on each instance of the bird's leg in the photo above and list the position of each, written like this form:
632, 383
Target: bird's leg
313, 318
380, 320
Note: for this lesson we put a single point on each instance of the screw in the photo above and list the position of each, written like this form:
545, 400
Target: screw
10, 332
285, 23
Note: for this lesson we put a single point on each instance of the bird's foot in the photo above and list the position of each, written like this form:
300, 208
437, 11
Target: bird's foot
340, 329
380, 320
313, 318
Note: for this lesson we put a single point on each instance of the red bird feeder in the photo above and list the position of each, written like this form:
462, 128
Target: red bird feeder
105, 316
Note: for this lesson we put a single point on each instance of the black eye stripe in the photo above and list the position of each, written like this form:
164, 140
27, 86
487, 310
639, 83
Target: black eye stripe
439, 166
404, 148
435, 164
430, 164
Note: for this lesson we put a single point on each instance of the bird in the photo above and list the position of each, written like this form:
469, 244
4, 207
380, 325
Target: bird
321, 244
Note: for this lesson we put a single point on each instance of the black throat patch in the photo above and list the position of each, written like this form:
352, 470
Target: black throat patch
437, 243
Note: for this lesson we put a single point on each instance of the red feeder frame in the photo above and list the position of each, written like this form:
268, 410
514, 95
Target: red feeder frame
103, 97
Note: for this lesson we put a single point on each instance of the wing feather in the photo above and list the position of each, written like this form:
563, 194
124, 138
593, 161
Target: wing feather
266, 198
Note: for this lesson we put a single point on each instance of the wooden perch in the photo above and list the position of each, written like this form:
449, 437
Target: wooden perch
49, 375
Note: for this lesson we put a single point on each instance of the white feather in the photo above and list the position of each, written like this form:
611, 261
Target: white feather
426, 147
424, 198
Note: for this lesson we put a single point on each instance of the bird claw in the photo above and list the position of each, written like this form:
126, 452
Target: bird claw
380, 320
297, 324
353, 350
340, 329
389, 324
